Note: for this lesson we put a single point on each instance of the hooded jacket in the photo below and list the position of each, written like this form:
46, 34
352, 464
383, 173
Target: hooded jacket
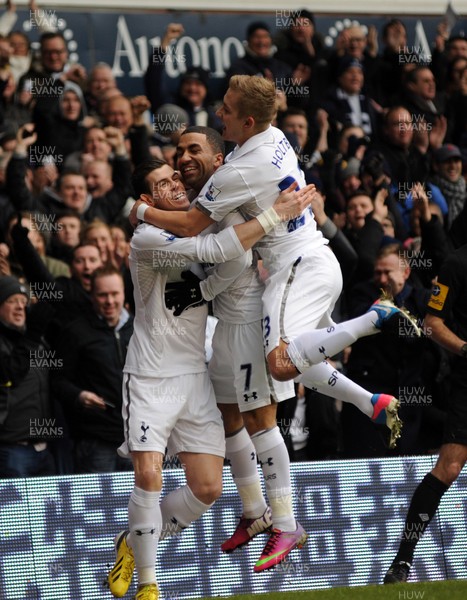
57, 136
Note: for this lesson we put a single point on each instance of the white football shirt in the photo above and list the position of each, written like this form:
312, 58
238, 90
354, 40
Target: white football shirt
163, 345
240, 300
251, 179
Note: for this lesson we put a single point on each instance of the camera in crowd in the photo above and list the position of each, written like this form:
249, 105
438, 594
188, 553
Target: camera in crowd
355, 142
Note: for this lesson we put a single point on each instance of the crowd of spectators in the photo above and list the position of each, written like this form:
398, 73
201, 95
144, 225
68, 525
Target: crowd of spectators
381, 131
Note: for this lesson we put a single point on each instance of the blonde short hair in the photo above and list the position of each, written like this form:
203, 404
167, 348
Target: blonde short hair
89, 227
396, 249
257, 97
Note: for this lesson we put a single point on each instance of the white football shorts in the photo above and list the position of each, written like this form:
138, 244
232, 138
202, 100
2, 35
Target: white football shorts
238, 368
301, 297
177, 413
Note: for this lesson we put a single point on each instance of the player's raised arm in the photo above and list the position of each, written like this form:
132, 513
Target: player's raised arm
231, 242
289, 205
181, 223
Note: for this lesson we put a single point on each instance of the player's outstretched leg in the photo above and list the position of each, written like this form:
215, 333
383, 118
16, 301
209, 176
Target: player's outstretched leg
312, 347
381, 408
119, 578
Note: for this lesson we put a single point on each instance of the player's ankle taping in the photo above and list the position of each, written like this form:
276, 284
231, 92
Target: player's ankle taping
269, 219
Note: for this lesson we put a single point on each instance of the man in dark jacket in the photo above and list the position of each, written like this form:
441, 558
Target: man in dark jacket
347, 104
395, 362
25, 415
89, 386
406, 163
303, 49
259, 59
419, 95
446, 323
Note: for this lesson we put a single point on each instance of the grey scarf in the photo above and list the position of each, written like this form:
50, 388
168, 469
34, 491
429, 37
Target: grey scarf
454, 193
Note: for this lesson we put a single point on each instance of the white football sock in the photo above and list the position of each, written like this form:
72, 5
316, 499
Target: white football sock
241, 453
312, 347
275, 463
180, 508
145, 521
327, 380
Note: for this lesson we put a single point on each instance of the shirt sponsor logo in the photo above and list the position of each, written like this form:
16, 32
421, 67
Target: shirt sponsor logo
212, 193
294, 224
168, 236
438, 297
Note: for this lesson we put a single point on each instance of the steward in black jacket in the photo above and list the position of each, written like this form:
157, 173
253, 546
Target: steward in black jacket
93, 356
89, 386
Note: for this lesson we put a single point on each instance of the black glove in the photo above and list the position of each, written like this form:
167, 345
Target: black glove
184, 294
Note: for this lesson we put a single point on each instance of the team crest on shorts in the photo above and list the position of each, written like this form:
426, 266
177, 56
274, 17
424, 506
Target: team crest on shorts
144, 428
211, 193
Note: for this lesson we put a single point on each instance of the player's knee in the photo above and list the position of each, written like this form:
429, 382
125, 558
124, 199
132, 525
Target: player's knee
253, 422
149, 479
453, 471
215, 491
279, 364
208, 491
231, 417
260, 419
448, 471
277, 369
